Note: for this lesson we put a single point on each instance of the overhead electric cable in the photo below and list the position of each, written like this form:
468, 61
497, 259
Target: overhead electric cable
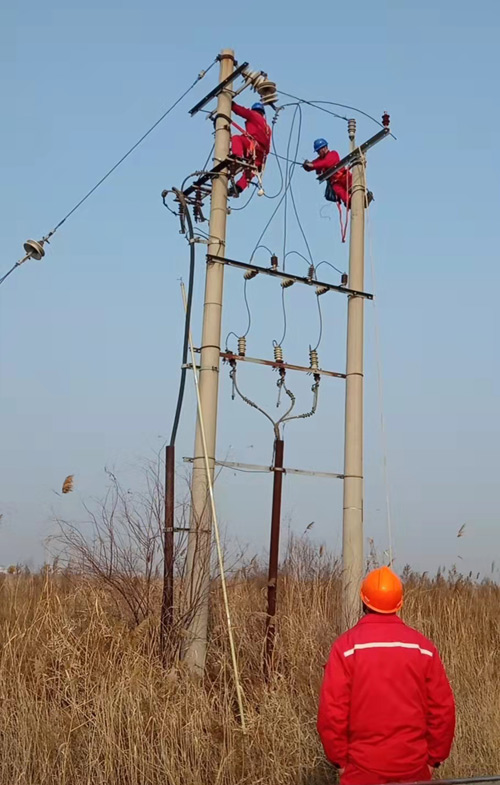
117, 164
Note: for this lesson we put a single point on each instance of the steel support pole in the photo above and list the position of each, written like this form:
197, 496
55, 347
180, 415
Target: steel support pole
200, 539
274, 551
167, 604
352, 523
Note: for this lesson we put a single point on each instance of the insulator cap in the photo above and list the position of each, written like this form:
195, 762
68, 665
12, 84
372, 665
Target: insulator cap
242, 346
386, 120
274, 262
34, 249
313, 359
278, 353
263, 86
344, 278
351, 128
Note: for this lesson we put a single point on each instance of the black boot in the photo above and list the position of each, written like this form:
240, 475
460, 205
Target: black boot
234, 190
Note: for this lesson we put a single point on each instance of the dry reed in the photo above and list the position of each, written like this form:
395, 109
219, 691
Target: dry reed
84, 698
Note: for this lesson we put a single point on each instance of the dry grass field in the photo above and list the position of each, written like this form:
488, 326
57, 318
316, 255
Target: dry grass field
84, 699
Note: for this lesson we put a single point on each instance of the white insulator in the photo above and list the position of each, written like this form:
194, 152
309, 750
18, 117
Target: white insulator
242, 346
259, 80
278, 354
267, 91
262, 85
313, 359
287, 282
321, 290
250, 274
252, 76
351, 128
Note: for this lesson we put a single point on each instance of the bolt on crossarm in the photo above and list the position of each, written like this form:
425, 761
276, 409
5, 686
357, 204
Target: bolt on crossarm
200, 534
352, 522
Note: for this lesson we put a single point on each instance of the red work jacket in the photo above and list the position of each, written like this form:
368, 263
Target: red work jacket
256, 126
386, 704
342, 177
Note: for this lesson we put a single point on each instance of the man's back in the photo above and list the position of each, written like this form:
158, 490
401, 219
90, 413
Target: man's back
256, 125
386, 705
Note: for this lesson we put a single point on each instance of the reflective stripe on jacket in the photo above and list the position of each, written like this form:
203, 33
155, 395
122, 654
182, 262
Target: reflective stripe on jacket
386, 704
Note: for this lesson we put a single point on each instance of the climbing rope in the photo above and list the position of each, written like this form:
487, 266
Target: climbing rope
220, 557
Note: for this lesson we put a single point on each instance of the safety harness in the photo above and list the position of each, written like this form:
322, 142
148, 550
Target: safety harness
259, 171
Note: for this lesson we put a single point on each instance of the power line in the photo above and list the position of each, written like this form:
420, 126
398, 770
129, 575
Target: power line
285, 326
273, 152
317, 105
236, 209
4, 277
320, 315
313, 104
136, 145
122, 159
249, 313
187, 319
300, 225
297, 253
288, 186
341, 272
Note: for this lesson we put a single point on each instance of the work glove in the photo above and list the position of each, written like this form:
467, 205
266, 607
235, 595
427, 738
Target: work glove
307, 165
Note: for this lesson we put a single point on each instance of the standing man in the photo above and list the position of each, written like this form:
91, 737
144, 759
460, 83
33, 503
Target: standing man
253, 144
386, 710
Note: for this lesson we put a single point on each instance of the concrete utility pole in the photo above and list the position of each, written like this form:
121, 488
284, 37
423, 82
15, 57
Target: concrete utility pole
352, 528
200, 534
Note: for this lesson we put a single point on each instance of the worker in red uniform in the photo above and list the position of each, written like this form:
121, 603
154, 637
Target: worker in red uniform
338, 186
386, 710
253, 144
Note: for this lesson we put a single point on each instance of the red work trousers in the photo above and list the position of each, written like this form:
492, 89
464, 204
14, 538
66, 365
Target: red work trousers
341, 184
243, 147
356, 776
342, 193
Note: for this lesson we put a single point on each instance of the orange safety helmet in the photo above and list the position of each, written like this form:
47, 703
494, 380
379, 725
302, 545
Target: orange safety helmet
382, 591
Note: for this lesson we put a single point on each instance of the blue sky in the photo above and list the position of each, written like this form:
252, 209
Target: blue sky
91, 337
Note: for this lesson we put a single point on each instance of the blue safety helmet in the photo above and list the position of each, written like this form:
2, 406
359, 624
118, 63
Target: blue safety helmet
258, 107
319, 143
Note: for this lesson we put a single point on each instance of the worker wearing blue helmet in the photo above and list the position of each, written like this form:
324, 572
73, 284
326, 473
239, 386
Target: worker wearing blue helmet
338, 186
253, 144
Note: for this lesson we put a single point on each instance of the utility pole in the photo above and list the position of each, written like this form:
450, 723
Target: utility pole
200, 528
274, 555
352, 522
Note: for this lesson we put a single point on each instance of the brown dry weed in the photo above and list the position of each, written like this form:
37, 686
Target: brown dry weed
85, 700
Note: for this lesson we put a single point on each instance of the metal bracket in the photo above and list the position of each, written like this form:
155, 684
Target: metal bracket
295, 278
257, 468
350, 157
218, 89
230, 357
219, 169
189, 367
